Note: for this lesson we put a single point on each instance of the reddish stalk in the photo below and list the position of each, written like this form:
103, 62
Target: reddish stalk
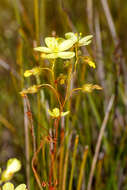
30, 118
33, 167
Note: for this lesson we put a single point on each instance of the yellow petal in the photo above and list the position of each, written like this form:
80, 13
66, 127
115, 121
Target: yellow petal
43, 49
65, 113
90, 87
31, 90
61, 79
21, 187
85, 41
87, 88
6, 176
66, 44
60, 40
72, 36
13, 165
66, 55
97, 87
51, 42
54, 113
89, 61
28, 73
92, 64
50, 113
49, 56
34, 71
8, 186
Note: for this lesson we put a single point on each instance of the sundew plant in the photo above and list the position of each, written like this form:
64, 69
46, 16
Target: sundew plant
55, 87
63, 95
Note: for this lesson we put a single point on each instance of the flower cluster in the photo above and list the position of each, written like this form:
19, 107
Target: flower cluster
64, 48
78, 38
56, 47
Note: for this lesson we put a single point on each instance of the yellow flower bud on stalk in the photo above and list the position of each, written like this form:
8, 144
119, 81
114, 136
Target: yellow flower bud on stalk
55, 113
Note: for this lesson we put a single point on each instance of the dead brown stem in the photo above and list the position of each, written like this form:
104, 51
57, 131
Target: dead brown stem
27, 151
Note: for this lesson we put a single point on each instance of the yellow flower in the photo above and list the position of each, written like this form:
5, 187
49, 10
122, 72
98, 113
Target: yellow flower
89, 61
76, 38
34, 71
10, 186
61, 79
13, 166
56, 48
55, 113
31, 90
90, 87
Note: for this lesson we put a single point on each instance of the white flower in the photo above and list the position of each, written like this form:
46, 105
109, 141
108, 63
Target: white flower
13, 166
78, 39
10, 186
56, 48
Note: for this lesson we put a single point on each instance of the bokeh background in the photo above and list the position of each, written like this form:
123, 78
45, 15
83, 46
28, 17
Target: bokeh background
23, 25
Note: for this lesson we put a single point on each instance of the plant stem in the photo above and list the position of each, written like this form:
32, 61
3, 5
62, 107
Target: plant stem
111, 101
82, 168
73, 163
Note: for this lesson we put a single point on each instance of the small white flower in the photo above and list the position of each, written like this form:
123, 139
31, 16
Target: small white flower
13, 166
78, 39
56, 48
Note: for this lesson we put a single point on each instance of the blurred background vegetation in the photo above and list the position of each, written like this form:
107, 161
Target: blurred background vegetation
23, 25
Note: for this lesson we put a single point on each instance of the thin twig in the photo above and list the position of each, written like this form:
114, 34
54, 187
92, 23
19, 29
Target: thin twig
30, 118
111, 101
33, 167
